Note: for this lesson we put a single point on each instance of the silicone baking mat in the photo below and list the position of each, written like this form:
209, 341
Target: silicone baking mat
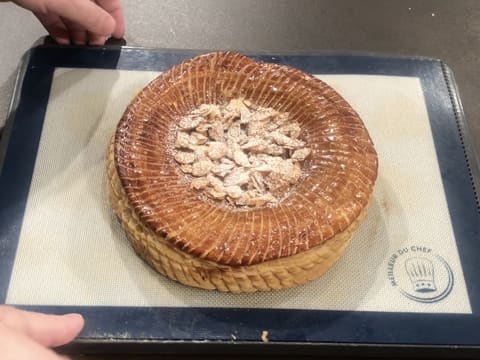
410, 264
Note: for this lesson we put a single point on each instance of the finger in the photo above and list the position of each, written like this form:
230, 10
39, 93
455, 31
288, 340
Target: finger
78, 34
114, 8
17, 346
85, 13
94, 39
48, 330
55, 27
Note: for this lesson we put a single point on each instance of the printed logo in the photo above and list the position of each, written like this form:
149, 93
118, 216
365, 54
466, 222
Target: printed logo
420, 274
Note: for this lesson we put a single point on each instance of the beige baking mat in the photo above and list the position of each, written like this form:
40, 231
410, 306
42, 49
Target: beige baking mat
73, 252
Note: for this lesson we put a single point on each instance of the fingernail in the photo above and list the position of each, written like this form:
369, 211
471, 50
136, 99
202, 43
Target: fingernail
75, 317
62, 41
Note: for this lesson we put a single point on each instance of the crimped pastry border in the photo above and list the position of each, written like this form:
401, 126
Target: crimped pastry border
189, 270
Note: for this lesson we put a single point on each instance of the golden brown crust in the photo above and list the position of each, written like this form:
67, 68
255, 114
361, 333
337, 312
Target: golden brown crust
341, 169
190, 270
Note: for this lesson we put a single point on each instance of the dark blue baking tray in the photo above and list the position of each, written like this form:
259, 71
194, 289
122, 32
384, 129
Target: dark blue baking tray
209, 330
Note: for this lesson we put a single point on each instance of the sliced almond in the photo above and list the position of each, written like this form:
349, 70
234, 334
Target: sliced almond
184, 157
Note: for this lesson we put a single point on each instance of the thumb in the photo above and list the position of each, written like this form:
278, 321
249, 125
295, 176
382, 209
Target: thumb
48, 330
17, 346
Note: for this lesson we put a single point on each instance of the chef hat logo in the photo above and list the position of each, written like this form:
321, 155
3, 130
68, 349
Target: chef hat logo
421, 273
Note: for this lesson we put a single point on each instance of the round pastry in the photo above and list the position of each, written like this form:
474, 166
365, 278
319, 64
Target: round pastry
237, 175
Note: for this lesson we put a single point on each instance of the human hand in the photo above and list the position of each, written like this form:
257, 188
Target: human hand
26, 335
78, 21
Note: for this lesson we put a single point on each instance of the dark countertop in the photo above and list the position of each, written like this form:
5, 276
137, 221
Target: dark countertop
449, 30
434, 28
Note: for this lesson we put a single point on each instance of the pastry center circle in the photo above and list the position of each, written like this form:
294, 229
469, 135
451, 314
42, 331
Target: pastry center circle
239, 153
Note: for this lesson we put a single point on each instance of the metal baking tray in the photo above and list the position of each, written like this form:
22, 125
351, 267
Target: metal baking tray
291, 330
